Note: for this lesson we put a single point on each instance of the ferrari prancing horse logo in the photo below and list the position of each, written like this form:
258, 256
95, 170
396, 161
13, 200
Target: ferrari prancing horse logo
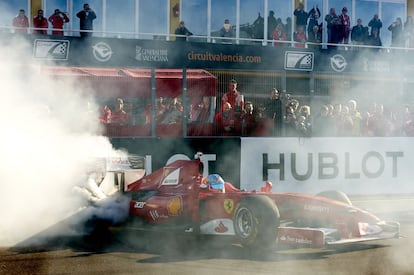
228, 205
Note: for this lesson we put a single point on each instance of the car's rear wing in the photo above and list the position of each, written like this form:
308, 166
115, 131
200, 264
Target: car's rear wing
121, 171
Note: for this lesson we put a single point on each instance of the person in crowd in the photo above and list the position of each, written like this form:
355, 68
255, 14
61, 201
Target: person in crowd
344, 26
227, 31
234, 97
314, 15
271, 24
160, 106
201, 110
356, 118
359, 33
273, 109
304, 121
301, 16
279, 34
323, 124
40, 23
182, 32
330, 110
315, 37
248, 120
258, 27
20, 22
409, 32
345, 125
374, 39
303, 127
173, 112
57, 19
119, 115
397, 38
332, 23
408, 121
225, 121
375, 22
377, 123
105, 116
86, 17
337, 118
289, 122
300, 37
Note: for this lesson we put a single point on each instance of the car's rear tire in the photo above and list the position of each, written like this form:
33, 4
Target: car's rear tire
335, 195
256, 221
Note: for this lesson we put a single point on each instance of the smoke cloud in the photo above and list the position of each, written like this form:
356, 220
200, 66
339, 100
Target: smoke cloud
48, 129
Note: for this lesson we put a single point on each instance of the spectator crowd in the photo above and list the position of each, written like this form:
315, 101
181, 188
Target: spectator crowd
284, 115
307, 31
279, 115
57, 20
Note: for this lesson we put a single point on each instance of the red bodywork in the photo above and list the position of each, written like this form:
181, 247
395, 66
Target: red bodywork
174, 196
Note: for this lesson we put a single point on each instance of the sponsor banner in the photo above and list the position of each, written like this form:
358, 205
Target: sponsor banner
310, 165
113, 52
51, 49
299, 61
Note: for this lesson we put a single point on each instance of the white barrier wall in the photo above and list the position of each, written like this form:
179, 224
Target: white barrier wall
310, 165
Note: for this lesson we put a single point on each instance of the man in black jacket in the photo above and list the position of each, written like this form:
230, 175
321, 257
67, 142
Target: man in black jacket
183, 32
86, 17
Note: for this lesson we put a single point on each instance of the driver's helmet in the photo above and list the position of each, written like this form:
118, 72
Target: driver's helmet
215, 181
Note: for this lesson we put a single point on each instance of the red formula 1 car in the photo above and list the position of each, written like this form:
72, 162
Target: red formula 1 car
177, 197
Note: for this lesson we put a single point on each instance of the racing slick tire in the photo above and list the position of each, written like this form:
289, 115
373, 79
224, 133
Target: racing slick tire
256, 220
335, 195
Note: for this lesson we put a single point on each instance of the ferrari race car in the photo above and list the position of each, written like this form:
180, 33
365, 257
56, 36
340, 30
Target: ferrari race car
177, 197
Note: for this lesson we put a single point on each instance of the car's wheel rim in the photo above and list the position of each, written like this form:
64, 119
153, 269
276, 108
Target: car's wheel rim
244, 222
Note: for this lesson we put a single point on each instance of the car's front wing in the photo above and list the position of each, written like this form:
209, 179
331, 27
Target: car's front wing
319, 237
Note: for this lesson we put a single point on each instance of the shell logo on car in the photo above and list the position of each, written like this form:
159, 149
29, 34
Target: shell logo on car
228, 205
174, 206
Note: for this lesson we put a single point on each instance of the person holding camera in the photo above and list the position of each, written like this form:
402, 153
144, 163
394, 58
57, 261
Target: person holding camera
396, 29
40, 23
86, 17
58, 18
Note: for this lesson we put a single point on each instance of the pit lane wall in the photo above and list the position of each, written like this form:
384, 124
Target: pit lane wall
309, 165
357, 166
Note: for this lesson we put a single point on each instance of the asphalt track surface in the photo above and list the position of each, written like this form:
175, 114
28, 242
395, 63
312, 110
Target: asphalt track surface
132, 252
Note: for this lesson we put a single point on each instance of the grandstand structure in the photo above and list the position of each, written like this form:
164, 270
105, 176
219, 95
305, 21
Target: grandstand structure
136, 39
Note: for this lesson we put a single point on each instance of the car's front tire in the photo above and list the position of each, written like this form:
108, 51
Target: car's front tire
256, 221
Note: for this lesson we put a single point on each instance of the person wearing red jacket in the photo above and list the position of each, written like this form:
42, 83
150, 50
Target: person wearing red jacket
234, 97
57, 19
20, 22
300, 37
40, 23
279, 34
345, 26
226, 121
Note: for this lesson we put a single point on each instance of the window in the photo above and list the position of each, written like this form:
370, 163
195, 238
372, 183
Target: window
221, 10
284, 11
10, 9
252, 20
390, 12
365, 10
153, 19
194, 14
120, 20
